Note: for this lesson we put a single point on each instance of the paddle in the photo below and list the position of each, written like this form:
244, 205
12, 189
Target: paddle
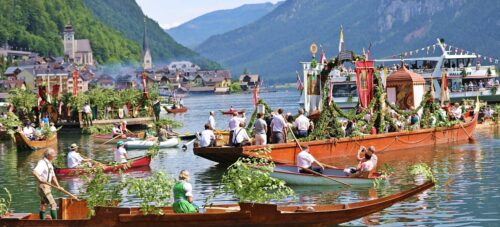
62, 190
298, 144
321, 175
112, 139
184, 147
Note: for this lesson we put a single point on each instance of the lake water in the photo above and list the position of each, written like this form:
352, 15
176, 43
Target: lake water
467, 192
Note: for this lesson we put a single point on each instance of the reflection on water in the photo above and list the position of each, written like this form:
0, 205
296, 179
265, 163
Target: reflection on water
467, 192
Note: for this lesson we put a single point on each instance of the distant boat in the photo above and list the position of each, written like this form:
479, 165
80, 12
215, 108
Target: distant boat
138, 162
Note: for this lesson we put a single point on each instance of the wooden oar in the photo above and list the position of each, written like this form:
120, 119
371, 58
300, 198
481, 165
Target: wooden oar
62, 190
321, 175
184, 147
112, 139
300, 147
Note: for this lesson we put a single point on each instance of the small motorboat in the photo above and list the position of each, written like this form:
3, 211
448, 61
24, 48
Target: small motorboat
230, 112
144, 144
135, 163
290, 174
177, 110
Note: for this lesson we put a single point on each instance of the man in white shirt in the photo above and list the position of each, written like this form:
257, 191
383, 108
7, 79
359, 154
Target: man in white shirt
87, 115
456, 110
207, 137
121, 155
241, 137
75, 160
233, 124
29, 131
278, 126
305, 161
211, 120
302, 124
44, 173
116, 130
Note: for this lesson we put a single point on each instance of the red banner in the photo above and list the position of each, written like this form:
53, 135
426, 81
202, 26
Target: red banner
144, 84
364, 82
75, 82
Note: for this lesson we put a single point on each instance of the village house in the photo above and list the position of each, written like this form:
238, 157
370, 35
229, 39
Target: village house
249, 81
208, 81
18, 77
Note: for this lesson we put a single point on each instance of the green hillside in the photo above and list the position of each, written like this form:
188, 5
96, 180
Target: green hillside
126, 17
37, 25
275, 44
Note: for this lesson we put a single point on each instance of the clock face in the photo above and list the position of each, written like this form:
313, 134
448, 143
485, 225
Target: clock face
313, 48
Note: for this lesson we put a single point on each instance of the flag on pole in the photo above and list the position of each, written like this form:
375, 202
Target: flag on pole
341, 41
322, 58
300, 86
445, 93
255, 94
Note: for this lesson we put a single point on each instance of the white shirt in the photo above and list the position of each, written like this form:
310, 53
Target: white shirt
120, 155
74, 159
87, 109
457, 112
211, 121
188, 188
45, 170
302, 123
117, 130
53, 128
240, 134
205, 138
278, 123
374, 160
235, 122
305, 159
488, 113
28, 130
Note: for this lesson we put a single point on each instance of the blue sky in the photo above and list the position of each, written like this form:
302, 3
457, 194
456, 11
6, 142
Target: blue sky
171, 13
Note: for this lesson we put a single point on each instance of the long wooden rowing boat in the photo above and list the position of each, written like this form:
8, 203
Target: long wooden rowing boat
230, 112
75, 213
177, 110
23, 142
107, 137
329, 149
291, 175
133, 164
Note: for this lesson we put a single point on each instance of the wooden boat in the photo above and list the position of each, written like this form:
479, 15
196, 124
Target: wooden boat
291, 175
75, 213
144, 144
329, 149
177, 110
107, 137
23, 142
133, 164
230, 112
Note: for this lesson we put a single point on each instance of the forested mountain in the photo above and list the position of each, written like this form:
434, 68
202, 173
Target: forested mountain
37, 26
201, 28
275, 44
126, 17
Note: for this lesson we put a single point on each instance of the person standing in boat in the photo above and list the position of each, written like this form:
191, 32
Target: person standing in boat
121, 155
278, 125
302, 124
211, 120
75, 160
260, 130
157, 109
183, 195
44, 174
241, 137
207, 137
234, 122
305, 161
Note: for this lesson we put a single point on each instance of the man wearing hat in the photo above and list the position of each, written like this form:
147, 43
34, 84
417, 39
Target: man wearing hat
150, 133
121, 155
75, 160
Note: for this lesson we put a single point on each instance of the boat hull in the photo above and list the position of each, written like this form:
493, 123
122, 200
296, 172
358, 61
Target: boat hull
177, 110
231, 112
135, 164
291, 176
74, 213
111, 138
144, 144
22, 142
329, 149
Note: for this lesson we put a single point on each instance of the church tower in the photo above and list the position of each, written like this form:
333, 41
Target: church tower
147, 61
69, 41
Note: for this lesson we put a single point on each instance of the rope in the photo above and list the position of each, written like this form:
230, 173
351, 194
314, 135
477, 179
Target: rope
414, 142
395, 138
462, 126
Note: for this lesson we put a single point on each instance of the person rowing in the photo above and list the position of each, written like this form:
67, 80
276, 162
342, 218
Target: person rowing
44, 174
305, 160
150, 134
117, 131
121, 155
183, 195
367, 162
75, 160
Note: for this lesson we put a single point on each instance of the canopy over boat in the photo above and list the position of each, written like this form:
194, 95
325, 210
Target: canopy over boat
140, 144
75, 213
135, 163
24, 143
291, 175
